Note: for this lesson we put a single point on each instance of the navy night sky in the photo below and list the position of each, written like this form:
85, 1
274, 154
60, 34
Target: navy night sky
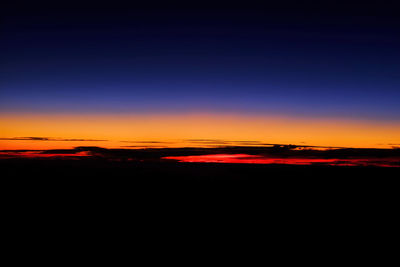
304, 59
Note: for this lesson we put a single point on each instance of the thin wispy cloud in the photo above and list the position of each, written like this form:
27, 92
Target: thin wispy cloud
35, 138
222, 142
146, 142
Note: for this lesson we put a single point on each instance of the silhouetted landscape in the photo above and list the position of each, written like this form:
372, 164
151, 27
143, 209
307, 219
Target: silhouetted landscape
261, 164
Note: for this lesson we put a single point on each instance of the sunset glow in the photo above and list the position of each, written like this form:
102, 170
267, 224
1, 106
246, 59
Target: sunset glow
160, 130
181, 91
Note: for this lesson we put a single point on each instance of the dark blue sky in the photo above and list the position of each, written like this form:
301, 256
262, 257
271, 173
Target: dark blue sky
336, 60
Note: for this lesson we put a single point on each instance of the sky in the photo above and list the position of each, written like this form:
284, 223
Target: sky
321, 66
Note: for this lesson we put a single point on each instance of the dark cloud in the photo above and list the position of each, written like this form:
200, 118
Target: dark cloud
143, 146
146, 142
206, 141
222, 142
228, 143
35, 138
246, 142
276, 154
252, 143
201, 141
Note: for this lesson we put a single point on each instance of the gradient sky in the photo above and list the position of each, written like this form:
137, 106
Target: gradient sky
311, 62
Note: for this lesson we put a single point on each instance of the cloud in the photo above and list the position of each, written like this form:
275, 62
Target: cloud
35, 138
216, 142
204, 140
222, 142
249, 154
146, 142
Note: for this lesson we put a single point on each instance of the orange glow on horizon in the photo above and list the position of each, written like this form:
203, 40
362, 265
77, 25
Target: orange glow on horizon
253, 159
176, 130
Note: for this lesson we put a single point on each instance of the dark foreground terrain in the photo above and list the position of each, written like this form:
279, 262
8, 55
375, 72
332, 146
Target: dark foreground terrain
128, 172
168, 171
285, 194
